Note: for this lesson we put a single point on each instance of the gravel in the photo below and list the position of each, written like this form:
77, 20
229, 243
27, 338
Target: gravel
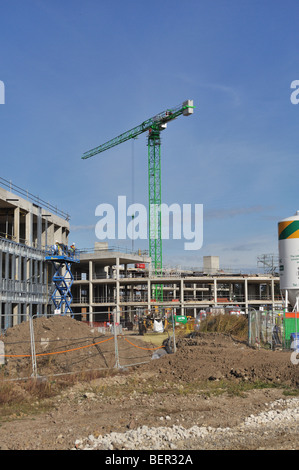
280, 417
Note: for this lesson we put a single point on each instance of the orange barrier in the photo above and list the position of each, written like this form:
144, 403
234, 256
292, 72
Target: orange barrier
139, 347
56, 352
81, 347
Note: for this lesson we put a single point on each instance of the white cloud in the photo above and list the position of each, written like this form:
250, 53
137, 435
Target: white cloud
234, 211
81, 228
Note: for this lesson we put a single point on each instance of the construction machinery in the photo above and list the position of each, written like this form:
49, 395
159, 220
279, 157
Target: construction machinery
62, 258
153, 126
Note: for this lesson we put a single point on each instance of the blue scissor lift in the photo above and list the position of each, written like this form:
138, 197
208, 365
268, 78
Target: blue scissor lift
62, 259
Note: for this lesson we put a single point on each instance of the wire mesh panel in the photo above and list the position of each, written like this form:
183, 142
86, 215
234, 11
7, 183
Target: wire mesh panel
55, 345
266, 329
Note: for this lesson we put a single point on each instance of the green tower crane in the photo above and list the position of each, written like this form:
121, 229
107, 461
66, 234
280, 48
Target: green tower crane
154, 126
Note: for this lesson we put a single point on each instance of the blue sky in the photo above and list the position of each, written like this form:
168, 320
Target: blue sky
77, 74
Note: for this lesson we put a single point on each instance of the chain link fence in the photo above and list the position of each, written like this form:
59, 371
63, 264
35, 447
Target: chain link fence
54, 345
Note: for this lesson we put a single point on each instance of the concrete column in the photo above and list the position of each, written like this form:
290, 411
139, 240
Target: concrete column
13, 275
23, 313
29, 272
15, 311
90, 285
24, 276
44, 238
6, 266
16, 229
39, 228
215, 291
175, 286
267, 291
29, 228
58, 234
246, 294
1, 258
64, 236
8, 315
149, 294
182, 297
50, 234
231, 292
13, 268
45, 273
36, 279
117, 292
19, 268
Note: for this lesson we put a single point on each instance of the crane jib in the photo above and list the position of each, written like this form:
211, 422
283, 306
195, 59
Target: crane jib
165, 116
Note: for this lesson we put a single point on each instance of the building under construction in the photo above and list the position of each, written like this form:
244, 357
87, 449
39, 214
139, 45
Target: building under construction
27, 226
106, 280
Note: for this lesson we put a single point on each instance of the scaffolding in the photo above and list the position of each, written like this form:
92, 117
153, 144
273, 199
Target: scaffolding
62, 257
269, 262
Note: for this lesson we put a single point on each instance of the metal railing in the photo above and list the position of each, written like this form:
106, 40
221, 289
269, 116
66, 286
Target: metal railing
116, 249
104, 299
32, 198
134, 297
81, 276
64, 251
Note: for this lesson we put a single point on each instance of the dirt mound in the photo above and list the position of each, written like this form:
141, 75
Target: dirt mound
64, 345
214, 356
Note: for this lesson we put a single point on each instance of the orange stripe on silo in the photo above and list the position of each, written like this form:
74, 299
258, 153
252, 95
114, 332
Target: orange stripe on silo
283, 225
294, 234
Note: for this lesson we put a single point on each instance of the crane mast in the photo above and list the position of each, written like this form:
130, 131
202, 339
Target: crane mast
153, 126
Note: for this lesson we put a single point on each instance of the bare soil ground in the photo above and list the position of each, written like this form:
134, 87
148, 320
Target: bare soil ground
212, 380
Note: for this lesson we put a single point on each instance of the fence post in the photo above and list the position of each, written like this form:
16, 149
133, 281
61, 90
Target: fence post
249, 327
32, 342
2, 353
117, 364
255, 318
173, 329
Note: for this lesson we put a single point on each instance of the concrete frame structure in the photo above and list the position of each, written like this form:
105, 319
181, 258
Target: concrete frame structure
98, 281
27, 226
105, 282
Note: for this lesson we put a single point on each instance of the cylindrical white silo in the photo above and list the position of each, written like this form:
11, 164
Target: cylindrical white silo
288, 246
